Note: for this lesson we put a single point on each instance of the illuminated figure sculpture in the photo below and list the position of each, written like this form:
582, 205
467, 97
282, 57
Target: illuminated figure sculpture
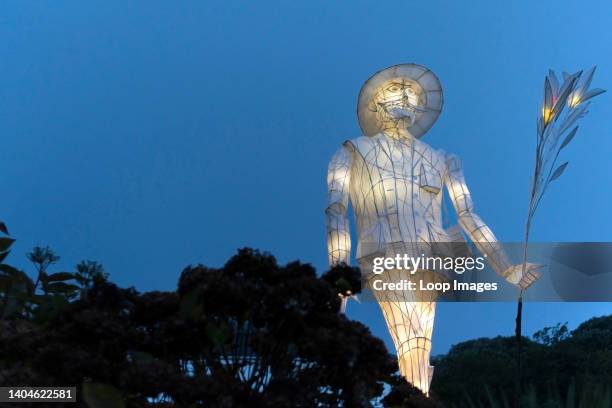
395, 184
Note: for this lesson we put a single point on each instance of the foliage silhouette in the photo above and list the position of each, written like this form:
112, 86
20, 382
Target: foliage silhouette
575, 368
252, 333
258, 334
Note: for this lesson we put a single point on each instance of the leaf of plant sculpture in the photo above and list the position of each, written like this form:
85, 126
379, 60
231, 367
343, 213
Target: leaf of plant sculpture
548, 98
540, 126
569, 138
3, 228
566, 89
588, 77
591, 94
554, 83
558, 172
575, 114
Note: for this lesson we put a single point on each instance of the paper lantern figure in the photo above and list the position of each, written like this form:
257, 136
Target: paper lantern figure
395, 184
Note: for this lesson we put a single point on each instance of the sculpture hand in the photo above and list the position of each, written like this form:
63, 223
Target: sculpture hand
515, 275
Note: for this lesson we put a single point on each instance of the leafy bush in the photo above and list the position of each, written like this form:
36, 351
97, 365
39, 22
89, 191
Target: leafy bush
560, 369
252, 333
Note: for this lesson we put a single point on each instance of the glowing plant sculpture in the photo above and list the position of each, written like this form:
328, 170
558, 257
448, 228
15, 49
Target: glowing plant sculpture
564, 104
562, 107
395, 184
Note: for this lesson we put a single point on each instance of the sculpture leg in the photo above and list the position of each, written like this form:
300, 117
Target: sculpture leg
410, 317
410, 325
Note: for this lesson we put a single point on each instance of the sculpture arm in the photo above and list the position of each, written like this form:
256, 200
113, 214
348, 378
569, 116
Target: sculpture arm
336, 217
475, 228
479, 233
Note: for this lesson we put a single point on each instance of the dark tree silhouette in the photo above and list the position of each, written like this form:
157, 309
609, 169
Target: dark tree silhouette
257, 334
252, 333
559, 368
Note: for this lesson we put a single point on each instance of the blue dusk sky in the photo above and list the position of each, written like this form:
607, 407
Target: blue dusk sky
149, 136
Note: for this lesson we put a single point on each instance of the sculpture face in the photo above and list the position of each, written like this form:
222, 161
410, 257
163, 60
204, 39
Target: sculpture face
397, 105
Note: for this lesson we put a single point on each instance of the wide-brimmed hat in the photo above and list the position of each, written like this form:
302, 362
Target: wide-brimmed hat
423, 81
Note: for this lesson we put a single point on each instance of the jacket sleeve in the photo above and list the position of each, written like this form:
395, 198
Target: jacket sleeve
336, 217
474, 227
